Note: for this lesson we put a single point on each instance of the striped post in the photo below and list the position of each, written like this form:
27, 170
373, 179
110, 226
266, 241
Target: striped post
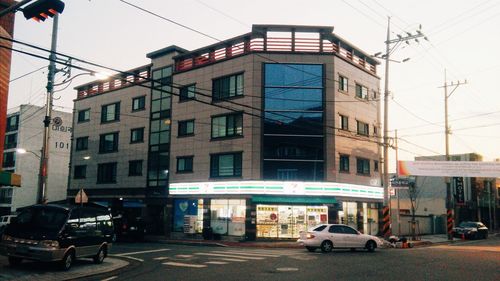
386, 230
449, 223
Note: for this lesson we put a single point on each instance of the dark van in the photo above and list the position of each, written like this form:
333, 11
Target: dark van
58, 233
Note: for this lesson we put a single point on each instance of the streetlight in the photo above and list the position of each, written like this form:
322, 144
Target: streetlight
24, 151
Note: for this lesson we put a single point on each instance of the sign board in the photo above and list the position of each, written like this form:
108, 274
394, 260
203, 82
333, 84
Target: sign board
81, 197
450, 169
459, 190
400, 182
189, 224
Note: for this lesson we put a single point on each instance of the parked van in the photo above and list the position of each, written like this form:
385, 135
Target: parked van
58, 233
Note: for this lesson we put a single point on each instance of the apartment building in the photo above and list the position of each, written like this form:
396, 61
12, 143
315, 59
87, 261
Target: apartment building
259, 136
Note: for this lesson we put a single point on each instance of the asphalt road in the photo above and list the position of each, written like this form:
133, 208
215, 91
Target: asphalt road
469, 260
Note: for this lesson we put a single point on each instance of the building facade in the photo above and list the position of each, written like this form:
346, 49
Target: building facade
24, 132
259, 136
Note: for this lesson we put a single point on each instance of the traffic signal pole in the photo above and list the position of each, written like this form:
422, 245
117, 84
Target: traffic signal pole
44, 160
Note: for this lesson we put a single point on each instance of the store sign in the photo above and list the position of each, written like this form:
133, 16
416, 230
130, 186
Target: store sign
278, 188
450, 169
459, 191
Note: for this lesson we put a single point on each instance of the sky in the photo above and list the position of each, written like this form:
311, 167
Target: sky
463, 40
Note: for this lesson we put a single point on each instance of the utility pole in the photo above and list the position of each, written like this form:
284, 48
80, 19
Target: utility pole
386, 229
450, 208
44, 160
398, 190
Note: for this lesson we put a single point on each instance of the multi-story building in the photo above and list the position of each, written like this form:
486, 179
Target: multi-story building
22, 152
258, 136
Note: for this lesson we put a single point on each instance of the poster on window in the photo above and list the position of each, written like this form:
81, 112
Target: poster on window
183, 207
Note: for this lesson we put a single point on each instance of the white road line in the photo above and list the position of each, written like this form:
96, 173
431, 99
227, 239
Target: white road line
216, 262
246, 254
228, 256
160, 258
110, 278
272, 252
132, 258
142, 252
184, 256
184, 264
228, 259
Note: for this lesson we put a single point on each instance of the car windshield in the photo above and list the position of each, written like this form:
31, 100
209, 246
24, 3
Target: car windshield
468, 224
41, 217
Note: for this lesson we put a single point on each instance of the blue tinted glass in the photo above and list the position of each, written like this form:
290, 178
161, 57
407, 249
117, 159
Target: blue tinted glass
302, 75
293, 99
293, 123
304, 170
293, 147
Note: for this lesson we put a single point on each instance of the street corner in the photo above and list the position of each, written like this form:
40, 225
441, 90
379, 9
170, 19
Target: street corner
39, 271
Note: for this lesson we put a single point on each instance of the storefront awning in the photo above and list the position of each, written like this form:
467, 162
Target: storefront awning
293, 199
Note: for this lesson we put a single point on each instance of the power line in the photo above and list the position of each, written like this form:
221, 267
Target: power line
24, 75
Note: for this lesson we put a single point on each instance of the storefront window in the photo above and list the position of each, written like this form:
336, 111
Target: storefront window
185, 207
283, 221
228, 216
349, 214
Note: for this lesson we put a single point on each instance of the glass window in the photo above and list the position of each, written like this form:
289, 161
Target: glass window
320, 228
349, 230
110, 112
363, 128
306, 170
344, 122
336, 229
186, 128
363, 166
135, 168
10, 141
5, 195
106, 173
361, 92
108, 143
138, 103
187, 92
184, 164
294, 75
183, 208
227, 87
227, 125
9, 159
375, 165
225, 165
84, 115
82, 143
12, 123
344, 163
343, 84
293, 147
80, 172
294, 99
137, 135
228, 216
293, 123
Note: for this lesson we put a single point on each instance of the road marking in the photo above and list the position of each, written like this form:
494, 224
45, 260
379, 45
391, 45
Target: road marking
469, 248
184, 264
287, 269
228, 256
160, 258
216, 262
246, 253
141, 252
184, 256
132, 258
110, 278
229, 259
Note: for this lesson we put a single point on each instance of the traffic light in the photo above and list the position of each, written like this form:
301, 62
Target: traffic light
42, 9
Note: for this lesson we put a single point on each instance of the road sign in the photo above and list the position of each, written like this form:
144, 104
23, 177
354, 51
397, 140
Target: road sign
400, 182
81, 197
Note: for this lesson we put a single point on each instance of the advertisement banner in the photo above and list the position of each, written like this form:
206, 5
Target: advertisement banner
449, 169
459, 190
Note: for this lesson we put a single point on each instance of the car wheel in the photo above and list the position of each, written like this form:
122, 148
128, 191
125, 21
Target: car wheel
370, 246
67, 261
15, 261
99, 258
311, 249
326, 246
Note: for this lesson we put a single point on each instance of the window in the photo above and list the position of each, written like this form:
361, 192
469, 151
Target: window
375, 165
227, 125
108, 143
363, 128
10, 141
9, 159
343, 84
135, 168
82, 143
375, 130
184, 164
361, 92
12, 123
344, 122
227, 87
6, 195
137, 135
225, 165
80, 172
344, 163
110, 112
106, 173
287, 174
187, 93
138, 103
363, 166
186, 128
84, 115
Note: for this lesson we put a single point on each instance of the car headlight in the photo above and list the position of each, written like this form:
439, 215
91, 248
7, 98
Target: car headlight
6, 237
49, 243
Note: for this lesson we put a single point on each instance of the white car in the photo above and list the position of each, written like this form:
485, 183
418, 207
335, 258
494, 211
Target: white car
329, 236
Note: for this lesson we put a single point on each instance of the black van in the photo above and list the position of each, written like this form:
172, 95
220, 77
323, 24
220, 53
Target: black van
58, 233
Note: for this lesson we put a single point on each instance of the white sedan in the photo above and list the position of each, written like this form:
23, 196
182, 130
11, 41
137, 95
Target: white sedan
329, 236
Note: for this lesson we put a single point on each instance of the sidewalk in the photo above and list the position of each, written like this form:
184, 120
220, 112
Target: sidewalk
29, 270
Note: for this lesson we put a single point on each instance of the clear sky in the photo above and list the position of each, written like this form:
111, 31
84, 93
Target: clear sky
463, 38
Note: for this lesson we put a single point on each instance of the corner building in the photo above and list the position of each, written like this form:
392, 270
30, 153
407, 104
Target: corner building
260, 136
